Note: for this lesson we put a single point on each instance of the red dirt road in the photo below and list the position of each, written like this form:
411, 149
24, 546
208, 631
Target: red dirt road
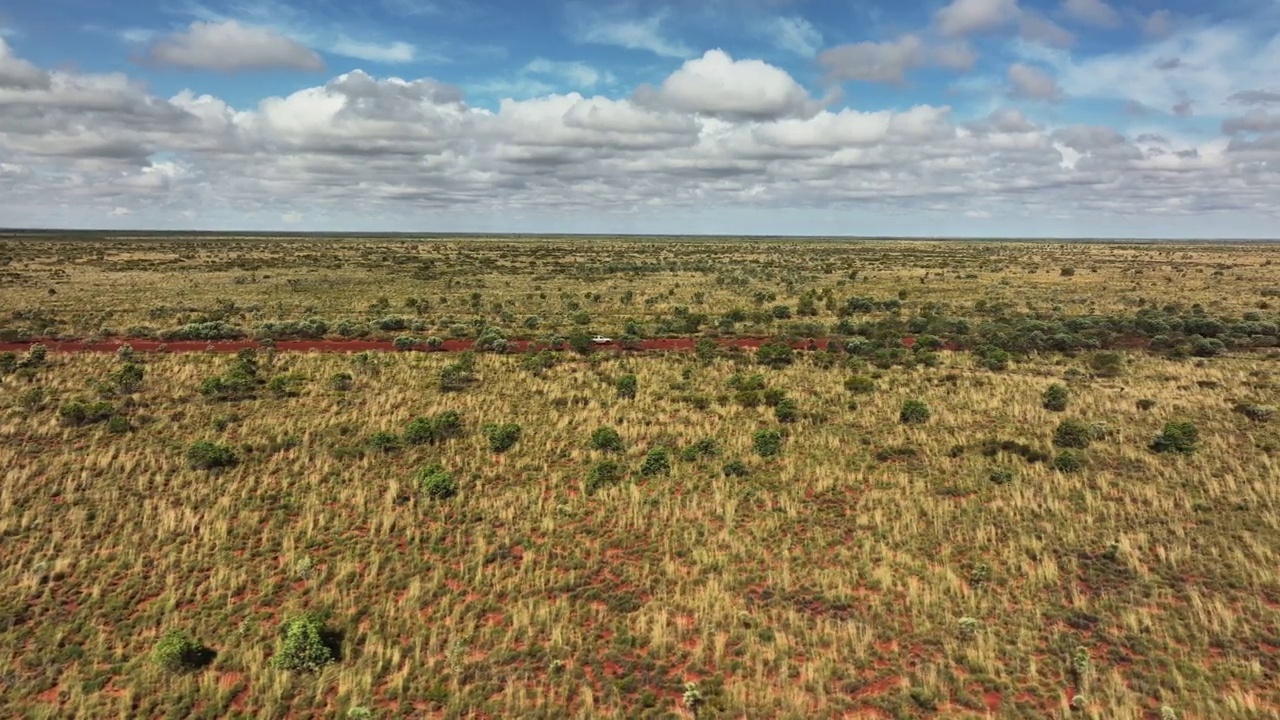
354, 346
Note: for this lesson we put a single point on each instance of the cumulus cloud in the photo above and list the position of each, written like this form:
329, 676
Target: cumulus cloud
232, 47
964, 17
16, 73
1092, 12
716, 84
718, 133
1026, 81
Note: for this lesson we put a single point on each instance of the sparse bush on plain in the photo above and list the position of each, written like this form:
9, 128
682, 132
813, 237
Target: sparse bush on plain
626, 386
607, 439
176, 651
603, 474
436, 483
502, 437
302, 645
1056, 397
767, 443
1072, 433
205, 455
1179, 436
657, 462
1068, 461
914, 412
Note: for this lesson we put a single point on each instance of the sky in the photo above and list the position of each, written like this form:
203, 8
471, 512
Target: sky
974, 118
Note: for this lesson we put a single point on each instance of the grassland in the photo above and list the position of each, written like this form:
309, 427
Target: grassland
872, 569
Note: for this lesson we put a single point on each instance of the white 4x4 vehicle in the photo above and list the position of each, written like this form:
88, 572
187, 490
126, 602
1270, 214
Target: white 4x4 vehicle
601, 340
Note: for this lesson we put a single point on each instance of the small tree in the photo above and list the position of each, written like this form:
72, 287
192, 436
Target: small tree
606, 439
1072, 433
914, 412
603, 475
302, 645
177, 652
502, 437
437, 483
433, 430
735, 468
385, 442
786, 410
704, 448
626, 386
767, 443
1056, 397
205, 455
775, 354
1177, 437
657, 462
1068, 461
405, 342
860, 385
1106, 364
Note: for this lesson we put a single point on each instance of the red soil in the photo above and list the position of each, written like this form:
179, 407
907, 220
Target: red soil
354, 346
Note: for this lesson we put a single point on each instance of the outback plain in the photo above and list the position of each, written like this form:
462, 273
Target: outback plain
392, 477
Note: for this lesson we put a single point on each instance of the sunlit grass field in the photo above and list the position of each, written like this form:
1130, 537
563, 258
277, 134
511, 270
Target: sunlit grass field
871, 569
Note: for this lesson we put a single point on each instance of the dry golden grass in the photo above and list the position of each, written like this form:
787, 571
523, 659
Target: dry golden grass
166, 281
827, 583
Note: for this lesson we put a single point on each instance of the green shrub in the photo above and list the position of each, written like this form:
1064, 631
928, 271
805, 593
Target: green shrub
205, 455
1177, 437
36, 356
914, 412
342, 382
657, 462
502, 437
405, 342
1108, 364
775, 354
736, 468
287, 385
82, 413
435, 342
860, 385
128, 378
1068, 461
1056, 397
492, 339
706, 350
436, 483
457, 376
434, 429
1001, 475
704, 448
302, 645
767, 443
606, 439
386, 442
177, 652
773, 396
602, 475
786, 410
626, 386
1146, 404
118, 425
1072, 433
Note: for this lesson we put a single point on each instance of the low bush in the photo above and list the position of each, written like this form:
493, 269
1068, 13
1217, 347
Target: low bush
205, 455
1072, 433
434, 429
914, 412
436, 483
657, 462
177, 652
502, 437
602, 475
767, 443
302, 645
1056, 397
1177, 437
1068, 461
606, 439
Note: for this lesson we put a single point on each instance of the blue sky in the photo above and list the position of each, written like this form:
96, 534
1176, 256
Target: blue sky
969, 117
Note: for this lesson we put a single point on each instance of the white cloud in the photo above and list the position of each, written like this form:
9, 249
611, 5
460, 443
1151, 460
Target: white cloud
388, 53
1036, 28
794, 34
964, 17
1158, 25
632, 34
740, 136
889, 61
232, 47
120, 212
1213, 63
578, 74
17, 73
716, 84
1092, 12
1029, 82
